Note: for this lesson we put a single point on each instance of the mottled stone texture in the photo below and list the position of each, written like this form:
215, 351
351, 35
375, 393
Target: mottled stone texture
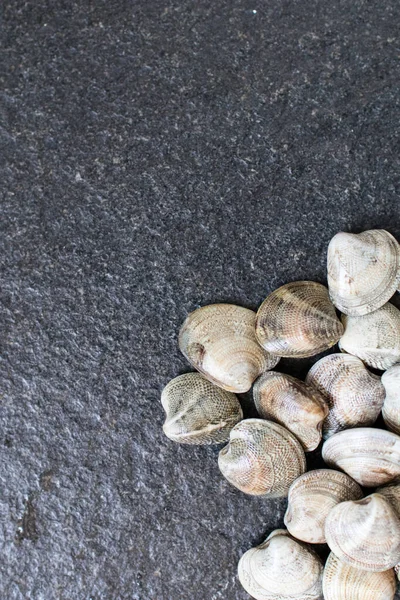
158, 155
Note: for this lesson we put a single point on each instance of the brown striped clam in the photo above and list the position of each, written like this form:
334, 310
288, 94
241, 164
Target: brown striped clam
219, 341
281, 568
370, 456
262, 458
343, 582
391, 405
363, 270
311, 498
365, 534
354, 395
375, 338
293, 404
198, 412
298, 320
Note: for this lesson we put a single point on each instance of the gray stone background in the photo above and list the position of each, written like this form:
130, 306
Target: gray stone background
158, 155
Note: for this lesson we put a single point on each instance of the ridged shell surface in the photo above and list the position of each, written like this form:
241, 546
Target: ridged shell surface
198, 412
370, 456
391, 406
281, 569
311, 498
363, 270
354, 395
365, 534
392, 494
299, 320
295, 405
262, 458
375, 338
219, 341
343, 582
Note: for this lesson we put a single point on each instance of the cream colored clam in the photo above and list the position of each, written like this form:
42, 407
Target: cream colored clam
311, 498
391, 406
363, 270
198, 412
392, 494
262, 458
375, 338
343, 582
298, 320
354, 395
293, 404
370, 456
281, 569
365, 534
219, 341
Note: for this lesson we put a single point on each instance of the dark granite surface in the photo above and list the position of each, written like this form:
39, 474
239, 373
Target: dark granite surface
157, 156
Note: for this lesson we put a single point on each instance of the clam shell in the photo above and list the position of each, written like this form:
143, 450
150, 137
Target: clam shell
311, 498
298, 320
392, 494
370, 456
262, 458
363, 270
375, 338
343, 582
219, 341
281, 569
354, 395
198, 412
365, 534
292, 403
391, 406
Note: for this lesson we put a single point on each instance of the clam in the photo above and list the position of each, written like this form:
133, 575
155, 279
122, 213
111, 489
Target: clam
375, 338
198, 412
370, 456
392, 495
292, 403
281, 568
363, 270
365, 534
298, 320
219, 341
343, 582
354, 395
391, 406
311, 498
262, 458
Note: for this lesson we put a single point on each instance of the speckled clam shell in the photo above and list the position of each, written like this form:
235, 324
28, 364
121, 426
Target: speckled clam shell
354, 395
293, 404
392, 494
298, 320
219, 341
363, 270
370, 456
365, 534
262, 458
311, 498
198, 412
375, 338
343, 582
391, 406
281, 568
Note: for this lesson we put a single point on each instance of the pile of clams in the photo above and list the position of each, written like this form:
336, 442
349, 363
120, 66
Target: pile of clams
346, 405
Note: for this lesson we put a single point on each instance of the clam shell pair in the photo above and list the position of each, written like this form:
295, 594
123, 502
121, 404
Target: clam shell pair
354, 395
363, 270
343, 582
374, 338
281, 568
298, 320
312, 497
293, 404
219, 341
365, 534
370, 456
198, 412
391, 406
262, 458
